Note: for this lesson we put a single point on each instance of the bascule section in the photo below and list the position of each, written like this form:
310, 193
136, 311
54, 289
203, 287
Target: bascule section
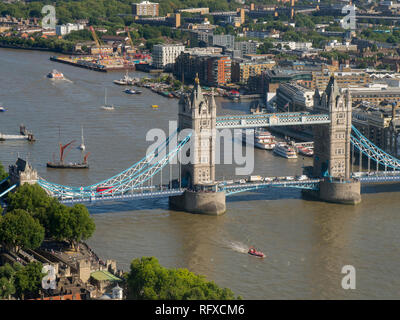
198, 115
332, 146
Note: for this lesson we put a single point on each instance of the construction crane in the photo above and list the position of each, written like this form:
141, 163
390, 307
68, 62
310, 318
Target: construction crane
96, 39
130, 39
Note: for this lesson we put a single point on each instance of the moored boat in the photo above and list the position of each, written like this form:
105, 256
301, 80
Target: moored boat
107, 106
131, 91
126, 80
284, 150
264, 140
305, 151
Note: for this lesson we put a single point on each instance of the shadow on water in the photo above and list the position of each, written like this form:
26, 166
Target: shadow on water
129, 205
266, 194
162, 203
380, 188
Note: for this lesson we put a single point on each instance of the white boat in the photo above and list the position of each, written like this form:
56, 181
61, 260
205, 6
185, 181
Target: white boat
126, 80
305, 151
131, 91
107, 106
264, 140
82, 145
55, 75
2, 109
284, 150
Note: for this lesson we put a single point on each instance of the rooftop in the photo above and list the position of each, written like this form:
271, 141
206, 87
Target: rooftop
103, 275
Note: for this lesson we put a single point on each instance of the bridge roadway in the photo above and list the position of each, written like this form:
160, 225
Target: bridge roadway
271, 119
148, 194
154, 192
231, 189
377, 177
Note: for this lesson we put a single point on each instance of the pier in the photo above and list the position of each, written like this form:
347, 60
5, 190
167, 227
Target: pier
86, 64
24, 135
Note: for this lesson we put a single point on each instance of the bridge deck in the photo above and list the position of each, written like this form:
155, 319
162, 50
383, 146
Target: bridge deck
271, 119
127, 196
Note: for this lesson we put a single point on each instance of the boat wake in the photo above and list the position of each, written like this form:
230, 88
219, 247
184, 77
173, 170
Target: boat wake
238, 246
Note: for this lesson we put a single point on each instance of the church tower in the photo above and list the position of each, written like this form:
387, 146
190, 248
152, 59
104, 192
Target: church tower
332, 141
198, 113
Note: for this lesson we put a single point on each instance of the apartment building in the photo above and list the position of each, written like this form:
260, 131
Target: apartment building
164, 55
344, 79
212, 67
243, 69
145, 8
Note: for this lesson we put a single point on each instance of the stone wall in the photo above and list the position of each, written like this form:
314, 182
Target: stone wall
347, 192
212, 203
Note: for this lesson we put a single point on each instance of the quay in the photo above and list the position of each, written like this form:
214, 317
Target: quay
90, 66
86, 64
24, 135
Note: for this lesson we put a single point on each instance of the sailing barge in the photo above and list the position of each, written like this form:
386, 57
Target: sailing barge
70, 165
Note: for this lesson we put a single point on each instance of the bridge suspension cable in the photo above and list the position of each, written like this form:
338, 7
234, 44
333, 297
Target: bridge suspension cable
366, 147
136, 175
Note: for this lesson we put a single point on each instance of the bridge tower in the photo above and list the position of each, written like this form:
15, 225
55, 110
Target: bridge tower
22, 172
202, 196
199, 114
332, 146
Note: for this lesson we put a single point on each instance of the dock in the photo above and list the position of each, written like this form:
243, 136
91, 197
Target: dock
111, 64
24, 135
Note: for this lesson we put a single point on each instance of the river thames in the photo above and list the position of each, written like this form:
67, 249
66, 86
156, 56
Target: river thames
306, 242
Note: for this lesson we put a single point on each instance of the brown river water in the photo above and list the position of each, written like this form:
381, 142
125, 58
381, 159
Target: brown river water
306, 242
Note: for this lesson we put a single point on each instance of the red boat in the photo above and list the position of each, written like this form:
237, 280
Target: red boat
305, 151
252, 251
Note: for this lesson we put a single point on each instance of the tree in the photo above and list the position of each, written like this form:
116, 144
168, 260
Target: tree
28, 279
7, 287
36, 201
71, 224
148, 280
82, 224
3, 173
19, 229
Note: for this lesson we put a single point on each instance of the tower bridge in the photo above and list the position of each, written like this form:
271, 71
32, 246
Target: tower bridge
196, 189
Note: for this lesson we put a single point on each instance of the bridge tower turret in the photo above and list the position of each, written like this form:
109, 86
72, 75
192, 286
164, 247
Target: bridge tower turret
332, 146
332, 141
202, 196
199, 114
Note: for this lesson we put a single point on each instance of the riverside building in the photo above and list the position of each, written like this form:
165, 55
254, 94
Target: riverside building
164, 55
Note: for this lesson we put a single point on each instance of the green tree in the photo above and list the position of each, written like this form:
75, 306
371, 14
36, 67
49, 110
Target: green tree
71, 224
19, 229
148, 280
3, 173
82, 224
7, 287
28, 279
36, 201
